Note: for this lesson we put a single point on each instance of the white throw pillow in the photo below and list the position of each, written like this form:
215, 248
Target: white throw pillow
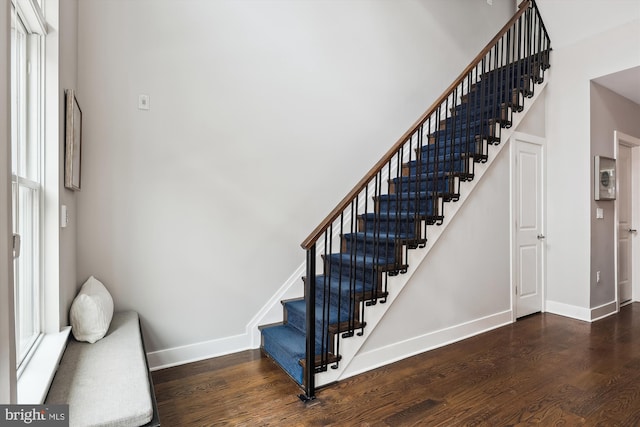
91, 311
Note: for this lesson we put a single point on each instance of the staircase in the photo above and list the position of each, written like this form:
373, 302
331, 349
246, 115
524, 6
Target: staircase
368, 238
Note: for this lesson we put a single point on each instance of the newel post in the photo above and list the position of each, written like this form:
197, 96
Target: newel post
310, 297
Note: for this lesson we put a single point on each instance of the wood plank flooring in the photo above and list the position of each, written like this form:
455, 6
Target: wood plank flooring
544, 369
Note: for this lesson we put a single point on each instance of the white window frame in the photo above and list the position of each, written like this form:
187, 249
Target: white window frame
27, 175
34, 381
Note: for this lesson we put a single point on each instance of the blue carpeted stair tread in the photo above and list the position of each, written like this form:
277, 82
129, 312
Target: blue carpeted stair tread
341, 285
358, 262
411, 216
453, 163
422, 203
297, 314
343, 290
383, 238
473, 112
439, 175
458, 121
402, 216
459, 131
403, 223
450, 145
440, 160
420, 183
368, 236
409, 195
286, 345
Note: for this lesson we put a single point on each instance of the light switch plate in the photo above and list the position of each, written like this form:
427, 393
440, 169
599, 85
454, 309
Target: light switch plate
143, 102
64, 216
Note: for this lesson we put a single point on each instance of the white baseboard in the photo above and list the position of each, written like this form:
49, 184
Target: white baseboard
604, 310
199, 351
581, 313
373, 359
568, 310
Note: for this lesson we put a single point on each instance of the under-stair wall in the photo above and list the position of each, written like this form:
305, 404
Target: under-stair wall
459, 302
442, 302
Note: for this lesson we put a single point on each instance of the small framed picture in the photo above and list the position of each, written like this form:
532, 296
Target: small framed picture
604, 174
73, 141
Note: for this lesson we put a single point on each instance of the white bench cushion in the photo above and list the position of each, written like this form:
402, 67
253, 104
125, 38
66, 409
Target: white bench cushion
105, 383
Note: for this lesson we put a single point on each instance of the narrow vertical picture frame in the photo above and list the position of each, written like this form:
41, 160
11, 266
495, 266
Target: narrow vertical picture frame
73, 141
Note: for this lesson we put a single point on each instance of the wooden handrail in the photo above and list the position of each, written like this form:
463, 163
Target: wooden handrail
344, 203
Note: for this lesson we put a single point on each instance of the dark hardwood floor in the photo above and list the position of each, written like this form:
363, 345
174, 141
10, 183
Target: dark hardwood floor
544, 369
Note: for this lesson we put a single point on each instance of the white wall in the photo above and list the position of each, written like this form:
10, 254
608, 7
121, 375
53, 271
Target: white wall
59, 243
7, 327
263, 115
609, 112
68, 80
534, 123
569, 157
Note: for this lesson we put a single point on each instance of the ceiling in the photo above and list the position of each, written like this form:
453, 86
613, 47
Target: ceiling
569, 21
625, 83
595, 17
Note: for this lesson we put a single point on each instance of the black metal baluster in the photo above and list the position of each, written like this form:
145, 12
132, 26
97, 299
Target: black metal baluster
477, 94
361, 307
352, 281
310, 292
539, 54
339, 296
377, 258
417, 221
527, 15
326, 307
486, 91
514, 85
465, 134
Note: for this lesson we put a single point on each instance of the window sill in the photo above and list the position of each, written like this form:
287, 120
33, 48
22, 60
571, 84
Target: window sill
34, 382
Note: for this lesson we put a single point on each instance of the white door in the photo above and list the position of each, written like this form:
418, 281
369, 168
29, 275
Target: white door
625, 223
528, 227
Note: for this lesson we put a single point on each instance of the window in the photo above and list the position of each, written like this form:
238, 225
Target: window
26, 147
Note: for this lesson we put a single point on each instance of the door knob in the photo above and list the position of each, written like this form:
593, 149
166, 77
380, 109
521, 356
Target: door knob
633, 230
541, 236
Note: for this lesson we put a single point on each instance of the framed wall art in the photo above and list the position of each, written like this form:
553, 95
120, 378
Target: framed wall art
73, 141
604, 173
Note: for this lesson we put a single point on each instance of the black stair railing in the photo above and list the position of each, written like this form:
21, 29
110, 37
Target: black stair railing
366, 238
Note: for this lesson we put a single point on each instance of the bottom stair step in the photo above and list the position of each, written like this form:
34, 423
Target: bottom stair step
287, 346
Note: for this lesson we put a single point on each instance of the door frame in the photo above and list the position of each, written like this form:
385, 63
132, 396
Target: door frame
542, 142
634, 144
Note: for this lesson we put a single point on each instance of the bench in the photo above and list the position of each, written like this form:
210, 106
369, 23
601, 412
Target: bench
107, 383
